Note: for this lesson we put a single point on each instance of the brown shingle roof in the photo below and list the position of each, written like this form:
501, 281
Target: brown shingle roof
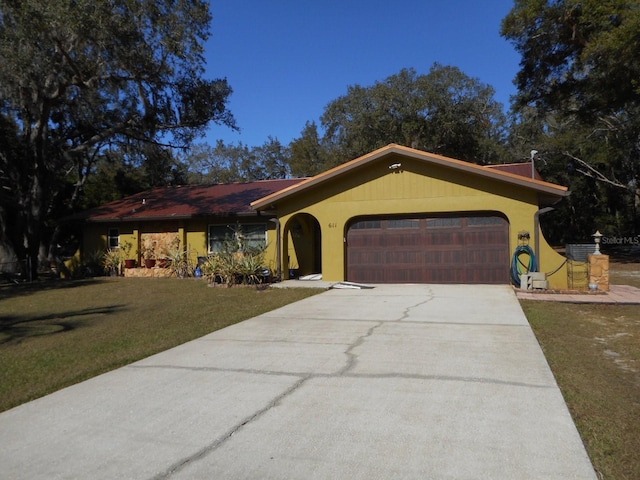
187, 201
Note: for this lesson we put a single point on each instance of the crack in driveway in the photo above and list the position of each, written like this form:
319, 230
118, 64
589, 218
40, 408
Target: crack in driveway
176, 467
304, 377
345, 373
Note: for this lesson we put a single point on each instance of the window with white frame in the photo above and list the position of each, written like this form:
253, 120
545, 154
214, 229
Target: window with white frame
113, 239
250, 235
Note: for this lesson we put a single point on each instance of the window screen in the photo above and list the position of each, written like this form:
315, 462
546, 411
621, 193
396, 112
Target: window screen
113, 238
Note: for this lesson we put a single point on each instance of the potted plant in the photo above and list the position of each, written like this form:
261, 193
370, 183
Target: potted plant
126, 250
148, 254
162, 262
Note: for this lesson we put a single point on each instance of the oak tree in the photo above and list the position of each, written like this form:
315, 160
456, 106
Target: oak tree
579, 102
81, 77
444, 111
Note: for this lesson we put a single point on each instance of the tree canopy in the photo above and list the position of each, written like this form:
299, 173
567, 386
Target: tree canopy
104, 98
236, 163
444, 111
578, 102
81, 78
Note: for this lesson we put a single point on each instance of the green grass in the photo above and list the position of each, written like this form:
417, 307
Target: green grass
54, 334
57, 333
594, 352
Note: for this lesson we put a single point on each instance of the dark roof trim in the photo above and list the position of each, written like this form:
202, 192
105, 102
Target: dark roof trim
253, 214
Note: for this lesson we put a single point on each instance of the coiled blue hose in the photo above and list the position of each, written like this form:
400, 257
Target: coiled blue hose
518, 267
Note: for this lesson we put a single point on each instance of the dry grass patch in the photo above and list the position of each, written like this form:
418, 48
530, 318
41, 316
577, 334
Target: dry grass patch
55, 334
594, 352
622, 273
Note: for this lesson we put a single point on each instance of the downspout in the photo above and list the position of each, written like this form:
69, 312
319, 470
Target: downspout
278, 248
536, 233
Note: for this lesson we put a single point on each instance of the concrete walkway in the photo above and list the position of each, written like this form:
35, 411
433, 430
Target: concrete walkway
414, 381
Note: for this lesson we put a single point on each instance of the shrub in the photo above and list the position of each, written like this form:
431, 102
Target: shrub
92, 264
236, 262
112, 262
180, 263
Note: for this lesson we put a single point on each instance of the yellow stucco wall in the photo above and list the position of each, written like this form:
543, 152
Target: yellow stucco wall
417, 188
191, 233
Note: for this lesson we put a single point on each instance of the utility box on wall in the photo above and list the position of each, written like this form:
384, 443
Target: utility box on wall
534, 281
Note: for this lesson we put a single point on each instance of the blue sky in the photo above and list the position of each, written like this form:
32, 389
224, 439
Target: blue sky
287, 59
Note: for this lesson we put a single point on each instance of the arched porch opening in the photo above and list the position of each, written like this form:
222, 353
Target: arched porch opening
302, 246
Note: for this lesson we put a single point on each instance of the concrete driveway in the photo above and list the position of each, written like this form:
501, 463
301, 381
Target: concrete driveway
411, 381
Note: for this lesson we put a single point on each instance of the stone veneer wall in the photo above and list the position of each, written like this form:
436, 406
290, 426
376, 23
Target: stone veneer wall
599, 271
159, 243
155, 272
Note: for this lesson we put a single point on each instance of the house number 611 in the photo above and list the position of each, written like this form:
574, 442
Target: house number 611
333, 225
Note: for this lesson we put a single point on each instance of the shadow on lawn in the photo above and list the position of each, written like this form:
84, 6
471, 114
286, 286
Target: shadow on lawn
9, 289
16, 328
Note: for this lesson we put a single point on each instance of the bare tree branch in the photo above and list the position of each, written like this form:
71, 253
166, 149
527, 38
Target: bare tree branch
588, 171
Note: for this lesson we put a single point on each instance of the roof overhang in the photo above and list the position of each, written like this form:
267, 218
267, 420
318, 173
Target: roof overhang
165, 218
548, 193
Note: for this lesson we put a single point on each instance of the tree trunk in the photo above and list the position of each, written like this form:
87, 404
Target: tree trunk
8, 258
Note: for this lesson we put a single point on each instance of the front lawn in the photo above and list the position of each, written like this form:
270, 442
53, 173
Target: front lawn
594, 352
57, 333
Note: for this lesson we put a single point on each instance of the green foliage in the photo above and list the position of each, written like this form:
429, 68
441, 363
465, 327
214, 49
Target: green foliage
308, 156
576, 56
444, 112
93, 264
578, 104
83, 78
113, 261
236, 262
236, 163
179, 260
126, 247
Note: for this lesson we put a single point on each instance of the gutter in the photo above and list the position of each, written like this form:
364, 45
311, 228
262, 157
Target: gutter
278, 248
172, 217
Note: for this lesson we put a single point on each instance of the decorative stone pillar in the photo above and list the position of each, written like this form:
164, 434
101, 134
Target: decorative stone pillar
599, 271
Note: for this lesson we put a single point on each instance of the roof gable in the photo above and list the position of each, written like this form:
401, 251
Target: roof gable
506, 175
187, 201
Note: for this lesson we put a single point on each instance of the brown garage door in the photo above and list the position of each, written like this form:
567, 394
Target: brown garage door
453, 249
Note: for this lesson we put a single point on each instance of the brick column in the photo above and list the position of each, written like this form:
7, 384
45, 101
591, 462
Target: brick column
599, 271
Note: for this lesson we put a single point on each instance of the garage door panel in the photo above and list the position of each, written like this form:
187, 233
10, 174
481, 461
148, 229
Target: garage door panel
403, 257
443, 238
364, 241
459, 249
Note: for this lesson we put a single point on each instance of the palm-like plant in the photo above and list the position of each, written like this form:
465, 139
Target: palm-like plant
112, 261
